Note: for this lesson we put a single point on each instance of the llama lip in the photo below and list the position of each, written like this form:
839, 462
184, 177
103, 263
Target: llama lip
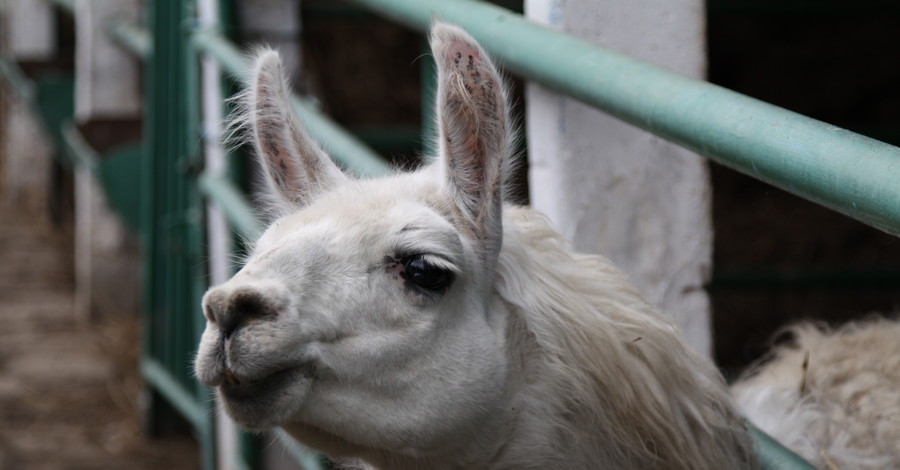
236, 389
230, 378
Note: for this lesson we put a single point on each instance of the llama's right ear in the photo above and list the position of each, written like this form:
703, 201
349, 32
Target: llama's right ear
473, 131
296, 168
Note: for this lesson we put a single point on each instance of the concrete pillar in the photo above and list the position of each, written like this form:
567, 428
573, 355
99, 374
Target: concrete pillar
616, 190
26, 153
107, 88
31, 29
107, 78
27, 33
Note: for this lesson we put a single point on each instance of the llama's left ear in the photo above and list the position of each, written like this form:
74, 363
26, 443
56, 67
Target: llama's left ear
472, 123
296, 168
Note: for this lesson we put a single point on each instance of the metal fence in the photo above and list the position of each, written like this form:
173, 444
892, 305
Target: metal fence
847, 172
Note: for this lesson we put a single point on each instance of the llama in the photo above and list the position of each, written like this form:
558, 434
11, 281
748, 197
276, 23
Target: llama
418, 321
833, 397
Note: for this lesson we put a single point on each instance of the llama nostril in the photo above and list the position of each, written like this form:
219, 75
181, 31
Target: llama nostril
208, 313
243, 305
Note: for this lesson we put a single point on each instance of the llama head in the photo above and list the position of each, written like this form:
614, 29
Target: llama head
363, 318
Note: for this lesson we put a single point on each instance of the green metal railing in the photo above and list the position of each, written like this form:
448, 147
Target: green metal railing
847, 172
345, 148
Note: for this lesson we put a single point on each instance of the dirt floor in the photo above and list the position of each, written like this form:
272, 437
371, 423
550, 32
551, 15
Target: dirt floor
69, 391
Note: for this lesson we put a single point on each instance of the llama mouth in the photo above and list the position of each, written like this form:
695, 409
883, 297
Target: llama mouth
241, 390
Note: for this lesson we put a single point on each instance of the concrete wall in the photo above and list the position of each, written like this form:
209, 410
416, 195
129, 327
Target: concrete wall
108, 82
26, 154
31, 29
614, 189
107, 87
27, 33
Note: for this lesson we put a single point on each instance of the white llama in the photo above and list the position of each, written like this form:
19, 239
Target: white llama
417, 322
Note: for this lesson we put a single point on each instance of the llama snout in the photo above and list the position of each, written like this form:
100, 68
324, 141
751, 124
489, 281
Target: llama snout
243, 324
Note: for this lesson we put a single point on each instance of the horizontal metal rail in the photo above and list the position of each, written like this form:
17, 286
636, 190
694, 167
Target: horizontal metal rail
80, 153
16, 78
345, 148
233, 203
847, 172
133, 38
187, 404
774, 456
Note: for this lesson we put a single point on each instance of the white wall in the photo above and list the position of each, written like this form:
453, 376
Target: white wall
30, 29
107, 78
27, 34
616, 190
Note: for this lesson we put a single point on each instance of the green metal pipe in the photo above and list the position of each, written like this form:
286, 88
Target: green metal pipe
231, 200
345, 148
15, 77
847, 172
80, 153
133, 38
774, 456
183, 400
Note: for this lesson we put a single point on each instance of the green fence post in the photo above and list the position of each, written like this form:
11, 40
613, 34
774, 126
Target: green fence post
172, 224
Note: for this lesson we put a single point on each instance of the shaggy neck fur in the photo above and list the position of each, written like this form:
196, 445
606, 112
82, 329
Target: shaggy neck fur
606, 381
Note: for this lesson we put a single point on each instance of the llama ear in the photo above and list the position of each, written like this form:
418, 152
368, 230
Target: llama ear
296, 168
472, 122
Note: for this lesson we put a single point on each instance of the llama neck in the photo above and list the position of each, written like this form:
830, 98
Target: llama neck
606, 381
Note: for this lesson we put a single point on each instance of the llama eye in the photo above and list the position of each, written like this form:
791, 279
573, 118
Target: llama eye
420, 272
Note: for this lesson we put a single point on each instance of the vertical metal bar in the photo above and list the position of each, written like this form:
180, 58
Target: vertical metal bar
172, 221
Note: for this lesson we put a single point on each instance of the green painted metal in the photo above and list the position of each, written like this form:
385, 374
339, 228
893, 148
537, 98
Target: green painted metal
117, 171
54, 100
23, 87
847, 172
389, 138
345, 148
233, 203
119, 175
79, 152
171, 387
774, 456
172, 221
